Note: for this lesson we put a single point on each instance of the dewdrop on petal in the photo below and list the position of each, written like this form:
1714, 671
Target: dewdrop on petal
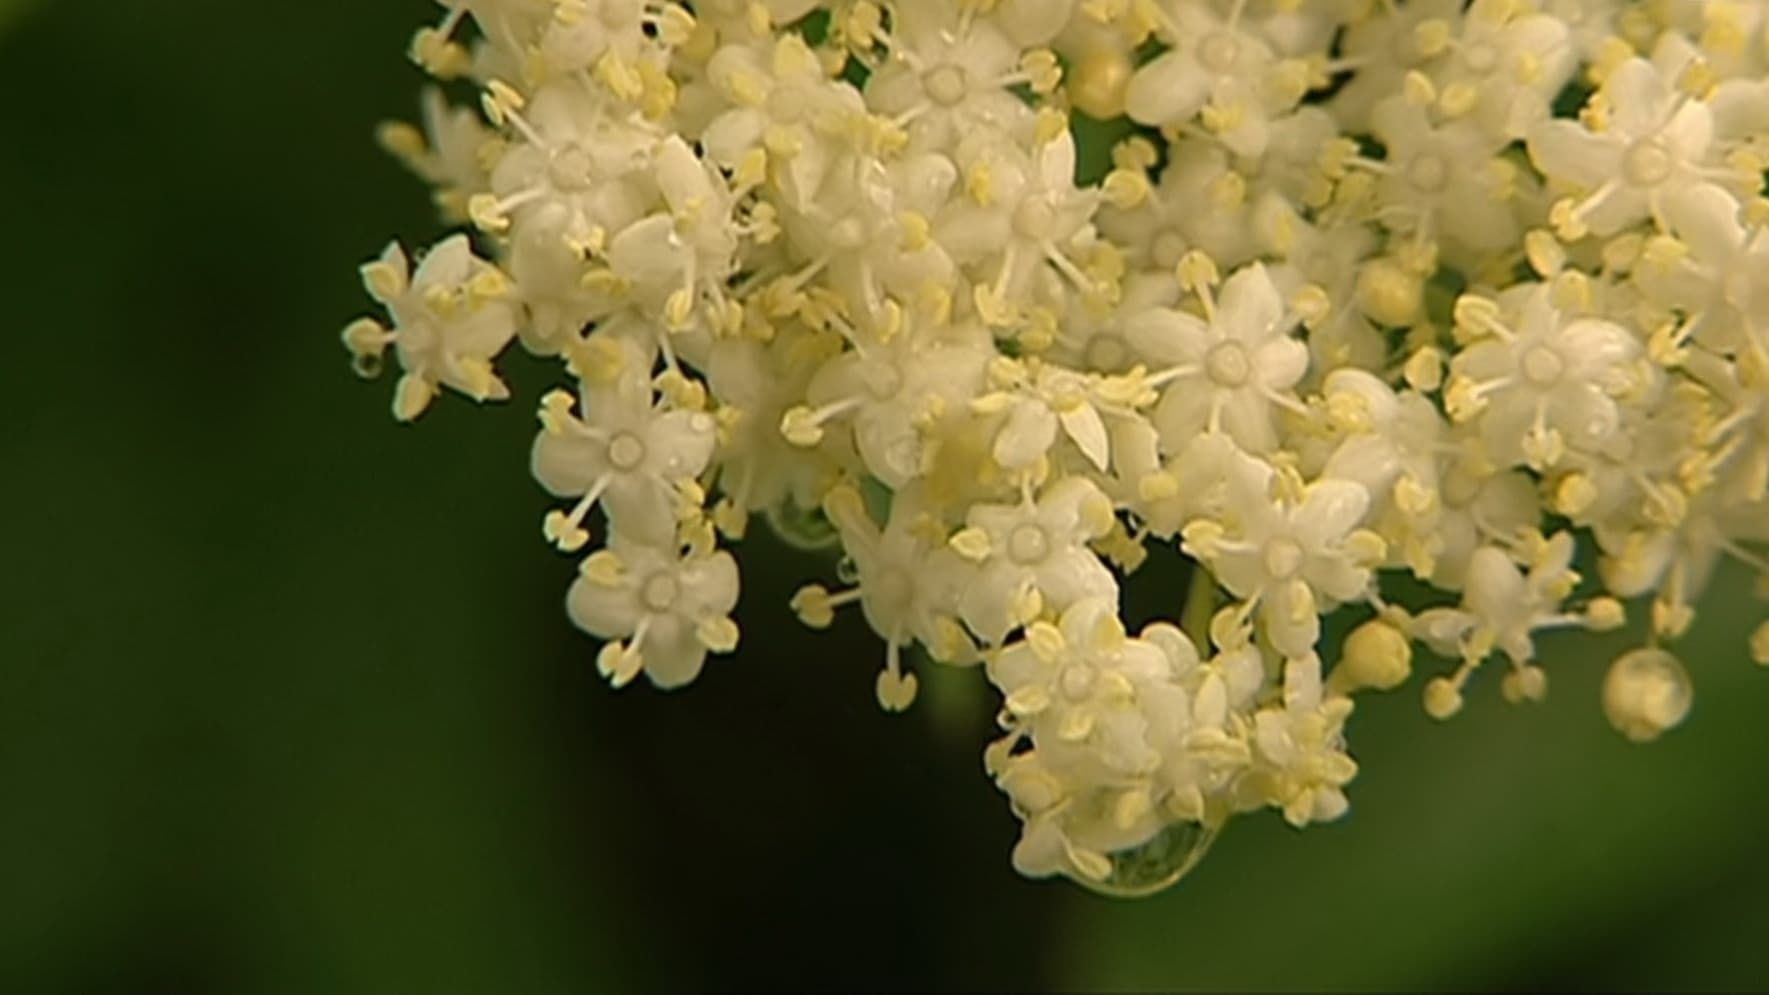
1367, 304
1154, 866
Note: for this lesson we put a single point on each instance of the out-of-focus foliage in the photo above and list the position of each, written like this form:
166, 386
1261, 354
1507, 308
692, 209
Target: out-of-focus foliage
11, 9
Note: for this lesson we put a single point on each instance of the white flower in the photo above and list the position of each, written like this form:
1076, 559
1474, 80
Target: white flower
1502, 607
1201, 203
1657, 141
1292, 559
1547, 385
1076, 682
1394, 40
1300, 760
784, 107
450, 320
1476, 509
576, 169
946, 82
892, 391
908, 585
1442, 181
757, 383
627, 451
853, 266
669, 610
1165, 494
1093, 339
1034, 555
677, 260
1504, 67
1023, 214
581, 34
865, 231
1043, 399
445, 153
1713, 272
1218, 66
1227, 372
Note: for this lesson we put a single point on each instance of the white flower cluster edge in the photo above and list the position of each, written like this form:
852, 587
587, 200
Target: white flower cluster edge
1414, 296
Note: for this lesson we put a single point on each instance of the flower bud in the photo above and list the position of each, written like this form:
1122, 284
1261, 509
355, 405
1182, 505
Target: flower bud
1376, 656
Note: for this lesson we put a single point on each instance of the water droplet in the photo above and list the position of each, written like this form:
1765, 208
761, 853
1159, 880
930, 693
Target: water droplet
1157, 864
802, 528
847, 571
366, 365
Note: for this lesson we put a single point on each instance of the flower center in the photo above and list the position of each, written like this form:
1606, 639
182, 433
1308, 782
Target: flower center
569, 168
1218, 52
946, 85
1035, 219
1228, 365
1076, 681
1429, 173
1028, 545
626, 451
1647, 164
1543, 366
1283, 558
660, 593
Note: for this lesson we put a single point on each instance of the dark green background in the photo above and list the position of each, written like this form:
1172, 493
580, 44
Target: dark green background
288, 704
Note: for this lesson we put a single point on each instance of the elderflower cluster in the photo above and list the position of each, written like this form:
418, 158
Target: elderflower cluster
1450, 320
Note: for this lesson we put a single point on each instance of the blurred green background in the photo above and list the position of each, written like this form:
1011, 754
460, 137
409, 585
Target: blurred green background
288, 704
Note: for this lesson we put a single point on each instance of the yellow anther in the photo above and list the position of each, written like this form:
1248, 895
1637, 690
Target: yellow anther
801, 427
1125, 189
604, 568
1424, 369
971, 543
1043, 71
560, 530
916, 229
979, 182
384, 280
719, 635
1049, 124
1418, 89
1457, 99
1432, 38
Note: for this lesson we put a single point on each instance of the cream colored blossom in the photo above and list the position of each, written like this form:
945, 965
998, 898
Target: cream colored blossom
1466, 292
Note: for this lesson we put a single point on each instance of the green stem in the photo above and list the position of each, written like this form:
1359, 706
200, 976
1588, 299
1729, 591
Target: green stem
1200, 607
